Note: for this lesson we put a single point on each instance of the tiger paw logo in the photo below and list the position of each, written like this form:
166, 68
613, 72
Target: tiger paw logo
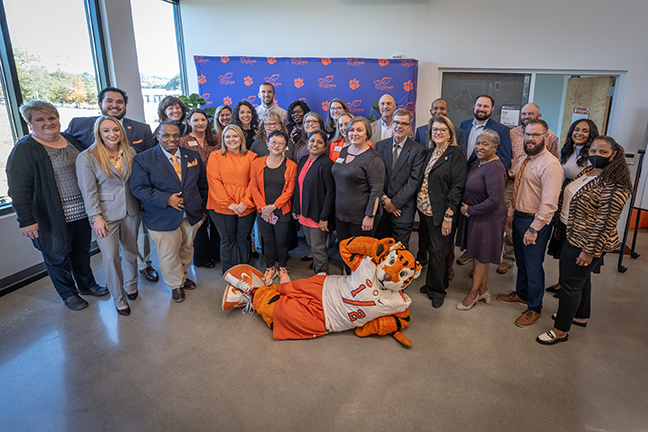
251, 99
272, 60
326, 61
298, 61
299, 83
202, 79
383, 62
325, 82
224, 59
354, 61
325, 106
200, 59
273, 79
383, 84
408, 85
227, 100
354, 107
354, 84
247, 60
409, 62
248, 81
225, 79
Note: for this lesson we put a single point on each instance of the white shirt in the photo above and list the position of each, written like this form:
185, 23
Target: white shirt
385, 131
261, 111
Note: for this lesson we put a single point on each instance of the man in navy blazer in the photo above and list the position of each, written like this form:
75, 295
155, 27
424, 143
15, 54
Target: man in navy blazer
439, 107
403, 159
113, 101
171, 183
482, 109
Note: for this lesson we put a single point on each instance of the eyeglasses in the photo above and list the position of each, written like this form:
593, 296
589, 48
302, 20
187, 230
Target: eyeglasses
534, 135
439, 130
311, 122
398, 123
336, 108
273, 124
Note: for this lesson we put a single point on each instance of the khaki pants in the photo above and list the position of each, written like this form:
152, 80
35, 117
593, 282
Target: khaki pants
508, 255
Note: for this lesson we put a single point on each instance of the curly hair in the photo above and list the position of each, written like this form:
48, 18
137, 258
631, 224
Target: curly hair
261, 133
254, 124
616, 171
303, 105
568, 147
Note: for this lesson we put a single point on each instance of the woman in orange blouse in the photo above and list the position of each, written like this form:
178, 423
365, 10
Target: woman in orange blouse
230, 201
272, 182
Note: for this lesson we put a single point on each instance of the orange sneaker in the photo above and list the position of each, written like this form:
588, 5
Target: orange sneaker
244, 277
283, 275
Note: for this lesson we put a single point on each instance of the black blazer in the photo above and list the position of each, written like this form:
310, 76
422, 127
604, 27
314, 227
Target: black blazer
319, 190
138, 134
402, 184
446, 182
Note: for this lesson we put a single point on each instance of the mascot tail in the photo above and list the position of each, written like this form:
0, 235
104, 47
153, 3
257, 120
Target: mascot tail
387, 325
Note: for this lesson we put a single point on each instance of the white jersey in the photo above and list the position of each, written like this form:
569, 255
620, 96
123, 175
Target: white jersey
352, 301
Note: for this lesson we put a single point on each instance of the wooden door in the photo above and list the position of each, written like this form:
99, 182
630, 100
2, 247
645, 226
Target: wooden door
592, 93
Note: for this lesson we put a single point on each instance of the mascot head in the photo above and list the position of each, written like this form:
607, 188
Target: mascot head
397, 269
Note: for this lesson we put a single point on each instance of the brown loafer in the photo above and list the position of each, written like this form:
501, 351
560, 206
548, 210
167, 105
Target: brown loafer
189, 284
511, 297
150, 274
527, 318
178, 295
503, 268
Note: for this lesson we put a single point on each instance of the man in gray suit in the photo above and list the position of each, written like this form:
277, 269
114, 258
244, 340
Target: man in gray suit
403, 159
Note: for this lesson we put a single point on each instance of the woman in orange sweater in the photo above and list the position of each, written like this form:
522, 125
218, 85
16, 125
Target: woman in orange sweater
272, 182
230, 201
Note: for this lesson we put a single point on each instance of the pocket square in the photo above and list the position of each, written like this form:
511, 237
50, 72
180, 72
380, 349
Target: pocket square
194, 163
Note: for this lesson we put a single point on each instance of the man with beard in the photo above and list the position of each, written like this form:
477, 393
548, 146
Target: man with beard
439, 107
381, 129
266, 96
538, 180
112, 102
529, 112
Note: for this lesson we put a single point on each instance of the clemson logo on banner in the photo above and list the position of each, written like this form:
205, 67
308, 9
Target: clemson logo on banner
248, 81
299, 83
326, 61
273, 79
408, 85
298, 61
224, 59
225, 79
200, 59
382, 84
227, 100
354, 107
325, 82
251, 99
206, 97
354, 84
409, 62
325, 106
383, 62
354, 61
202, 79
272, 60
247, 60
409, 106
302, 99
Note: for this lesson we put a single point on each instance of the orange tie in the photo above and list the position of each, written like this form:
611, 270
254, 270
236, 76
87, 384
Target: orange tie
177, 167
518, 179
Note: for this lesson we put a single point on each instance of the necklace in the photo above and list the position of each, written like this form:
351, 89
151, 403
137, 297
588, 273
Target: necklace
485, 162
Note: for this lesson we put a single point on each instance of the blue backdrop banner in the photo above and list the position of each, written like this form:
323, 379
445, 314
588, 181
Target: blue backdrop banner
357, 81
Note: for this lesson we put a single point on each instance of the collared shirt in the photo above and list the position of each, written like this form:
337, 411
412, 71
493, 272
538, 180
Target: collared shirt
539, 188
517, 147
399, 145
472, 138
385, 131
261, 111
169, 156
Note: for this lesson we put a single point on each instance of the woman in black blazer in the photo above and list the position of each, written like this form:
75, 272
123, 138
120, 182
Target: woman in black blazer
314, 198
440, 192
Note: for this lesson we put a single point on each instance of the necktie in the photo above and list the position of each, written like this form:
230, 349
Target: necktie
518, 179
177, 167
395, 156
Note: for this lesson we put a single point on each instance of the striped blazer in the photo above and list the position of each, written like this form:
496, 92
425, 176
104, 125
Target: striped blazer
593, 215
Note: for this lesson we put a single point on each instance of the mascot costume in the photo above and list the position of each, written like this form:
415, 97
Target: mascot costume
370, 299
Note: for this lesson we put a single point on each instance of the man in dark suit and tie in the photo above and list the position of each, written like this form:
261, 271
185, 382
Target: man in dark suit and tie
113, 101
171, 183
403, 159
439, 107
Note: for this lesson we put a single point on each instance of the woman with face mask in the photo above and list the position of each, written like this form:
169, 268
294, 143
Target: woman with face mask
589, 207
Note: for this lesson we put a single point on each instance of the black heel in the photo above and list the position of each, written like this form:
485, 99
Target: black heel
132, 296
124, 312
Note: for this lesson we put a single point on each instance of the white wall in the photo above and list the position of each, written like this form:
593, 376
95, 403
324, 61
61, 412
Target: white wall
497, 34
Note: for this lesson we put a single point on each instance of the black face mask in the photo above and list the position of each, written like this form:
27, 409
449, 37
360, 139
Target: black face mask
599, 161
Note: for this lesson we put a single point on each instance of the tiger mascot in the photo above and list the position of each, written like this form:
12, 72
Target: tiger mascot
370, 299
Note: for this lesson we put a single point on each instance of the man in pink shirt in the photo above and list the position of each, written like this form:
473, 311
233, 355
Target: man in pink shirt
538, 179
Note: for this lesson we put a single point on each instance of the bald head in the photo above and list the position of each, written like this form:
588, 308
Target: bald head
439, 107
387, 106
529, 112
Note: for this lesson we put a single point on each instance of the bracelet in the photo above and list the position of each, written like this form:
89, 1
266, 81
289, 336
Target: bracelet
95, 218
447, 219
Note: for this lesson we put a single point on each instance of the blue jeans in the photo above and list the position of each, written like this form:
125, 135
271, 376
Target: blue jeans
530, 277
236, 240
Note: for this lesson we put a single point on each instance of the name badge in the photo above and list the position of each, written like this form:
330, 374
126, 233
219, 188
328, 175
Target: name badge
193, 143
337, 148
339, 160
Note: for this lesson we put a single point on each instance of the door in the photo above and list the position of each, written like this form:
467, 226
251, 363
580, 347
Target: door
588, 97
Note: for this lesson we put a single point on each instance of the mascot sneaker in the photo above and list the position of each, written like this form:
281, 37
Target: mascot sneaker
233, 298
244, 277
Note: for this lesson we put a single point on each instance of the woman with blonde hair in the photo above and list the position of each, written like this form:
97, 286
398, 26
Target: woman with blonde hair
222, 118
103, 172
269, 122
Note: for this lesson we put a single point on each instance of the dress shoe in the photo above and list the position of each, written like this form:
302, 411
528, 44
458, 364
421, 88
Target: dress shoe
132, 296
511, 297
189, 284
75, 302
503, 268
553, 289
576, 323
437, 301
150, 274
486, 297
178, 295
527, 318
124, 312
96, 291
209, 264
550, 338
306, 258
463, 260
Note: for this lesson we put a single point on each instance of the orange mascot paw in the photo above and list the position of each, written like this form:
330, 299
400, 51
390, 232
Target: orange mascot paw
387, 325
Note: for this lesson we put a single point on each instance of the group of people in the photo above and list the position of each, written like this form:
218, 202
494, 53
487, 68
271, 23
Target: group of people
200, 192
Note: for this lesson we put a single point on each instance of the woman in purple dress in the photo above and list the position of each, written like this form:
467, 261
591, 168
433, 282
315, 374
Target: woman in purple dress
481, 226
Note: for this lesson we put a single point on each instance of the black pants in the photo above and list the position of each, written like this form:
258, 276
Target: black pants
206, 244
436, 280
575, 287
347, 230
276, 239
65, 269
236, 238
399, 231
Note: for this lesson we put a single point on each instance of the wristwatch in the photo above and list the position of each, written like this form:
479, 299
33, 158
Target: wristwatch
533, 230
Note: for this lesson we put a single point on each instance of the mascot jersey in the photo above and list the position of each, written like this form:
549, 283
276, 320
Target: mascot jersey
318, 305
